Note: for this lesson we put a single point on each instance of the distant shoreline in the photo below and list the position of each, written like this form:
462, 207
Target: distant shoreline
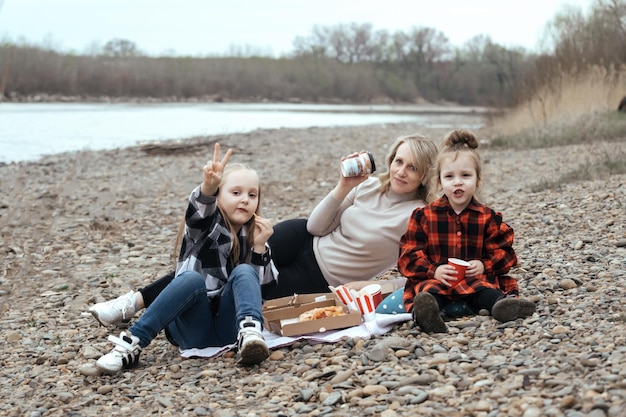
378, 107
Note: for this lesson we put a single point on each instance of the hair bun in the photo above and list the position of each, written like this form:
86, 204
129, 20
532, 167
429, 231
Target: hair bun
459, 139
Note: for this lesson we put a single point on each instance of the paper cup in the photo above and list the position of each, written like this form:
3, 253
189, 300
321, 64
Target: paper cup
377, 293
345, 295
368, 299
461, 266
365, 302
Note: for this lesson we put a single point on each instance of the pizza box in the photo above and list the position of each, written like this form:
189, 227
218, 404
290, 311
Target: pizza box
281, 315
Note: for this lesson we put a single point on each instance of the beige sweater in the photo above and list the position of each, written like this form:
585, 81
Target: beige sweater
358, 238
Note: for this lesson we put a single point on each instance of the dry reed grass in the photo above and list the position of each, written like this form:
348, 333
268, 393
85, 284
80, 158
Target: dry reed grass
565, 100
576, 109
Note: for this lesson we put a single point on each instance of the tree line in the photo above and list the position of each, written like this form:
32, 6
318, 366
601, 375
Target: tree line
351, 63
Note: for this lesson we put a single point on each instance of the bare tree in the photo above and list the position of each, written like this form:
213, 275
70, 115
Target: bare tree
120, 48
348, 44
316, 45
599, 39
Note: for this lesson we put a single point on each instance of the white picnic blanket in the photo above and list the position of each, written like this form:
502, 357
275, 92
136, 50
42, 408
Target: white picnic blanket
382, 324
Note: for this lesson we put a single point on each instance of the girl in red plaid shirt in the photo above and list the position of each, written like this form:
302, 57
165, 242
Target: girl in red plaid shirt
457, 225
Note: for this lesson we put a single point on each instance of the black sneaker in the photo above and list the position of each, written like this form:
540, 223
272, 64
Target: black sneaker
508, 309
426, 314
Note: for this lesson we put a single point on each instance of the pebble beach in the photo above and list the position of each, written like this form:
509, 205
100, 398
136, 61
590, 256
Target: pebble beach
84, 227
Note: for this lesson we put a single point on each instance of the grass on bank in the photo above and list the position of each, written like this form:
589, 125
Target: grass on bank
580, 110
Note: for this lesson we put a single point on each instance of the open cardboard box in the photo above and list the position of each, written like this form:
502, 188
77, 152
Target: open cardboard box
281, 315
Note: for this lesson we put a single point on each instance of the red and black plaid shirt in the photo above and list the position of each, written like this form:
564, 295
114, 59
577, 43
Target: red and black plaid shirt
436, 233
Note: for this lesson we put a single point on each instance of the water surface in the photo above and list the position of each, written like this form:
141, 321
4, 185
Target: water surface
31, 130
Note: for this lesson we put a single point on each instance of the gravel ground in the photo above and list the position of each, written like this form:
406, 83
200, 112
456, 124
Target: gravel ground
80, 228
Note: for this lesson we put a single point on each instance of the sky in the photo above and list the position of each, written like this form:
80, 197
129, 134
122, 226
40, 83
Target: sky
210, 27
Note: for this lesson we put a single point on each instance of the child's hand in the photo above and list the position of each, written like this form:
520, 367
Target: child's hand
213, 171
475, 269
262, 231
446, 274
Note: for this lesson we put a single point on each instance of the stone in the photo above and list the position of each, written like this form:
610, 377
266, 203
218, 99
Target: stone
567, 284
567, 359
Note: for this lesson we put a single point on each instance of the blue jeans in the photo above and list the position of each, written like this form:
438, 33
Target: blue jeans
194, 320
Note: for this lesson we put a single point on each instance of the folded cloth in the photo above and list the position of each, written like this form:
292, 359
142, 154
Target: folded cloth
382, 324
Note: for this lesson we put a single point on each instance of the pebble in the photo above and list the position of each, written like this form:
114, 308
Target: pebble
567, 284
370, 390
106, 222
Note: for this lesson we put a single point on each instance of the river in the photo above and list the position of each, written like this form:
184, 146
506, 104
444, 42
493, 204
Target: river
29, 131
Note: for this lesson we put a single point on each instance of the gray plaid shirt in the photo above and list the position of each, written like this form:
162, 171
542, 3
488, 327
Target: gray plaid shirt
207, 244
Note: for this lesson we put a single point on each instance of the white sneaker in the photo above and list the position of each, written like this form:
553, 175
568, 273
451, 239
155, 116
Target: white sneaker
250, 343
124, 355
116, 312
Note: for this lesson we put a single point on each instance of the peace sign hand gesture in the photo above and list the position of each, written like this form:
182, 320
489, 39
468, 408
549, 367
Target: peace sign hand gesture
213, 171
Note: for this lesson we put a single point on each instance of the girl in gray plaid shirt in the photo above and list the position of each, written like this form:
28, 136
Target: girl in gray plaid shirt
215, 298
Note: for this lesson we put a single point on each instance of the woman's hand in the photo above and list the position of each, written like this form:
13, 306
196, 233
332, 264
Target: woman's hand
262, 231
351, 182
346, 184
213, 171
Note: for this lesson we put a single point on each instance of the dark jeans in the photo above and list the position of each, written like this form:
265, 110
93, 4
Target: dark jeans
292, 253
485, 298
152, 290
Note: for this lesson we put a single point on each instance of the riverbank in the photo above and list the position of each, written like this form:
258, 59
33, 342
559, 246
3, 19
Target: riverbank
81, 227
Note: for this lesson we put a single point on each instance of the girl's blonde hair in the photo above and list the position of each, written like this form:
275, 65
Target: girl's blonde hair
452, 145
423, 154
249, 226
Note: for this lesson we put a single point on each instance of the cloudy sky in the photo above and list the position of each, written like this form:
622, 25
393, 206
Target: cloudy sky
210, 27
